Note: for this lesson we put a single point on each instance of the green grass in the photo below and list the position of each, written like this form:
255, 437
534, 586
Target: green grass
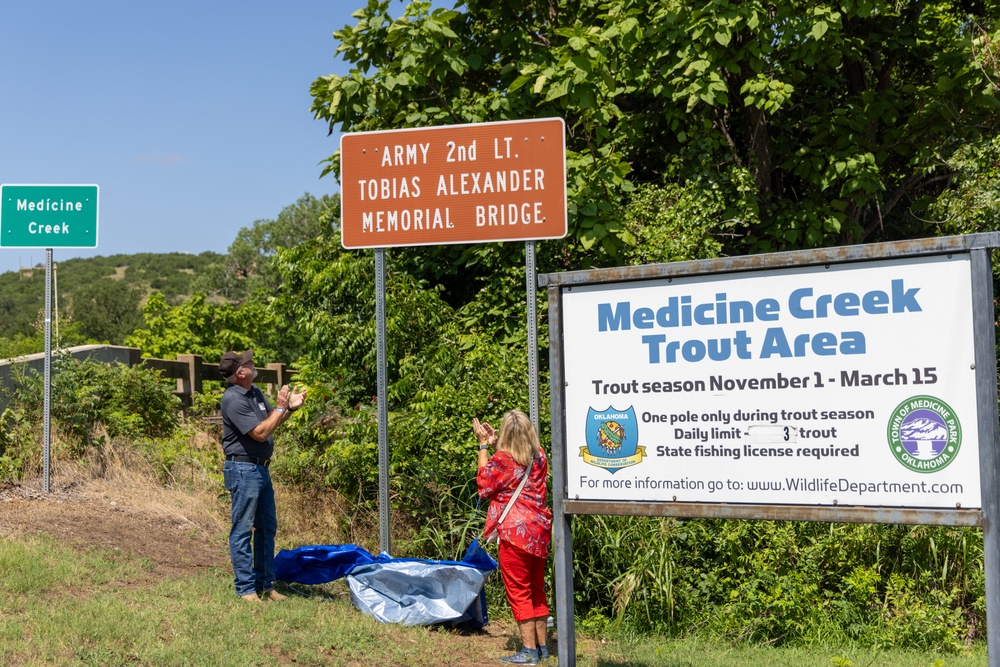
698, 653
59, 606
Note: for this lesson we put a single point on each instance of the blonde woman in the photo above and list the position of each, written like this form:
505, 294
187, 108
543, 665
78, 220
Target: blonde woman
525, 533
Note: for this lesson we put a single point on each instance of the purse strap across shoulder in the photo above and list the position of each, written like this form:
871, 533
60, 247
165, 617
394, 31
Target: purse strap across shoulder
517, 492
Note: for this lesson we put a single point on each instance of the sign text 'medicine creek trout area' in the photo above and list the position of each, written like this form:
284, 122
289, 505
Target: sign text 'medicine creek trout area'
454, 184
845, 384
801, 304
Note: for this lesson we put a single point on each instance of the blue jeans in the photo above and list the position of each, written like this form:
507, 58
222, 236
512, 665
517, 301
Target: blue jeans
254, 524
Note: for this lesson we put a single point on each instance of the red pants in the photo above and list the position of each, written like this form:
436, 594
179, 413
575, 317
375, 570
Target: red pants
524, 579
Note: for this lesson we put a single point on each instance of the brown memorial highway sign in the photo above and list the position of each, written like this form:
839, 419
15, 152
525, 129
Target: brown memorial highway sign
471, 183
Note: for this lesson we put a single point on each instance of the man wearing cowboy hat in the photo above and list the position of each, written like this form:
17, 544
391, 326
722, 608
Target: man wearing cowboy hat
248, 423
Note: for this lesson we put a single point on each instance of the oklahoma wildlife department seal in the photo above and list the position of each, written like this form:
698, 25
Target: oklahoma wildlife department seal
924, 434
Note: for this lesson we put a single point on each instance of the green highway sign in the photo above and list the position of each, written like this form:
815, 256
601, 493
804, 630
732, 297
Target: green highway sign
48, 216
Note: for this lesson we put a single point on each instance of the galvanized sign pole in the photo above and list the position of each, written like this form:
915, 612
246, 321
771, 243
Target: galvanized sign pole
47, 407
989, 438
562, 528
529, 280
383, 413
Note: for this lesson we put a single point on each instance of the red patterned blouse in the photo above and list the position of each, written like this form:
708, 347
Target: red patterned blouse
529, 523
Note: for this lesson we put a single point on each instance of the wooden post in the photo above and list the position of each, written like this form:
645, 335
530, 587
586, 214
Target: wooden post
281, 378
191, 383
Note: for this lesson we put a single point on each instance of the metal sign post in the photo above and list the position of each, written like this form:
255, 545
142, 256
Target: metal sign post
46, 407
562, 529
383, 413
530, 283
989, 439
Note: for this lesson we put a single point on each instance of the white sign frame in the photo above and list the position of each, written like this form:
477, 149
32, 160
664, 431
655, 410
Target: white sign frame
843, 384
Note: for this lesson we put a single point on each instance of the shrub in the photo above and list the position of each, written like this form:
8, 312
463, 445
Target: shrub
127, 402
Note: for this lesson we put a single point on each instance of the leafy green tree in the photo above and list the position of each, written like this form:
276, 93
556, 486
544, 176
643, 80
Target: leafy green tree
197, 326
845, 114
22, 294
235, 309
691, 218
128, 402
106, 310
20, 345
972, 204
444, 366
328, 296
248, 266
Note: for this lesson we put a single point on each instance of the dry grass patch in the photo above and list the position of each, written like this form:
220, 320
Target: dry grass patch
111, 499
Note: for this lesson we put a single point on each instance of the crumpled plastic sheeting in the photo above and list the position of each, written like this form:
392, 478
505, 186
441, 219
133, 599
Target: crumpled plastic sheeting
319, 564
418, 593
407, 591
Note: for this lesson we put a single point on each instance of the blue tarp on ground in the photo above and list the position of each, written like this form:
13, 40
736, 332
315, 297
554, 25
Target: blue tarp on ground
408, 591
319, 564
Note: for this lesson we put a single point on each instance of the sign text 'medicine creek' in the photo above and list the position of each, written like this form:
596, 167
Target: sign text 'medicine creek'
48, 205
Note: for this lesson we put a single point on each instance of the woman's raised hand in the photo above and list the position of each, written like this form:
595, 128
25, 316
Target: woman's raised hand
485, 432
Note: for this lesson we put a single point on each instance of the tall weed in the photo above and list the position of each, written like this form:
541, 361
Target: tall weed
776, 583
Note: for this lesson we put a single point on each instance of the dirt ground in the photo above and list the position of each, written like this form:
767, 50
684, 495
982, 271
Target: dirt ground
178, 535
177, 541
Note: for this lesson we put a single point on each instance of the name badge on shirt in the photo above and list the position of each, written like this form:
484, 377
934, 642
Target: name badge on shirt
263, 408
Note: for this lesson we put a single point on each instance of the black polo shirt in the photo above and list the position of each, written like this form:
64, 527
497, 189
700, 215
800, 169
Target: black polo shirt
242, 410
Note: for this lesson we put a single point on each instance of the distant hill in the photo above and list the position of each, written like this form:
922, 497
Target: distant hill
22, 294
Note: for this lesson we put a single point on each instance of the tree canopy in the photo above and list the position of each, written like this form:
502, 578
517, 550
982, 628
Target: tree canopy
813, 123
247, 267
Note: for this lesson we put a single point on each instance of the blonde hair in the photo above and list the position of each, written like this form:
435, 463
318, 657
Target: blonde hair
518, 437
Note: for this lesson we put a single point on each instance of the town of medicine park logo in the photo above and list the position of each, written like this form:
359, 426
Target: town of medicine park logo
924, 434
612, 439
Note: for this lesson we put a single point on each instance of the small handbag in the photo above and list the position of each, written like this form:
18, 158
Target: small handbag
494, 537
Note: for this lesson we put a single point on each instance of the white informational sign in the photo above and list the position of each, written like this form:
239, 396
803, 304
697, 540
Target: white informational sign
846, 384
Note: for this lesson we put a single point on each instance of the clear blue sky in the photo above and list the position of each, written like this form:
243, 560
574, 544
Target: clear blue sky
192, 117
